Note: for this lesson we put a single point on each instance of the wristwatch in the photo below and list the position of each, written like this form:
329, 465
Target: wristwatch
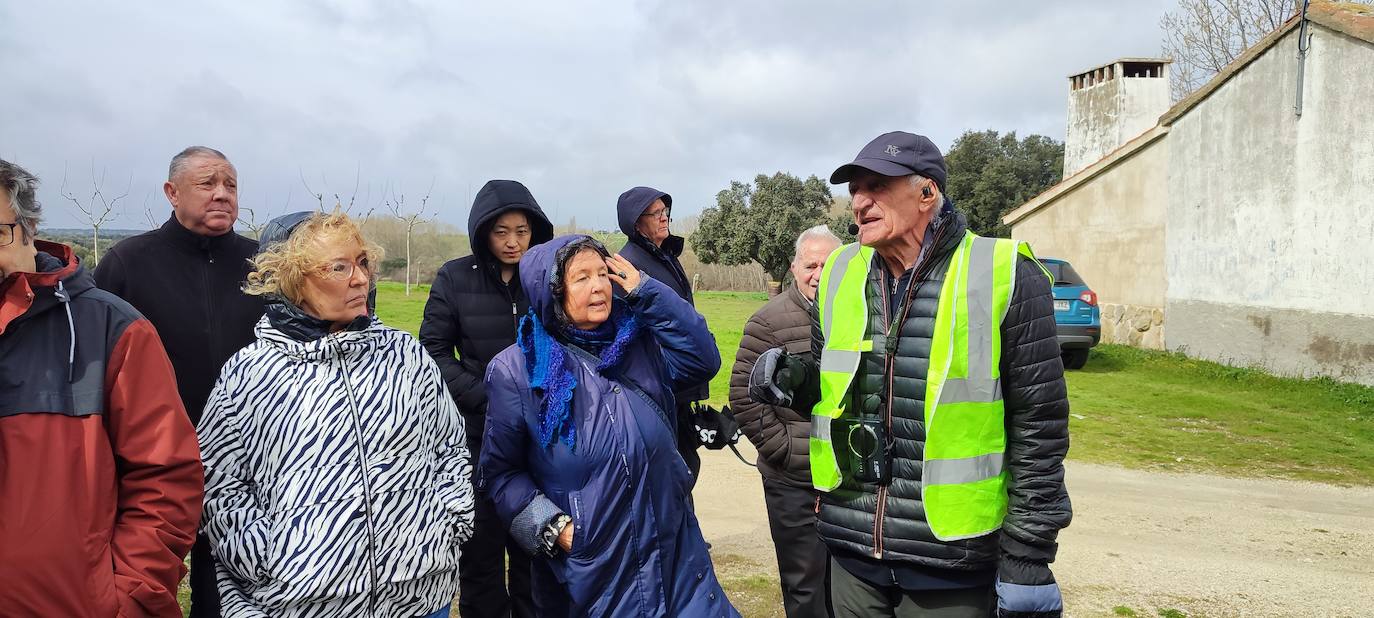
548, 539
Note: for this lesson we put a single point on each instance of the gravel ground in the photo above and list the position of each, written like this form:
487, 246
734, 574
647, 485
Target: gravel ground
1149, 541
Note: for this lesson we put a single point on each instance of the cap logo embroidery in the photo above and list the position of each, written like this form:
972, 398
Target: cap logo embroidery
892, 151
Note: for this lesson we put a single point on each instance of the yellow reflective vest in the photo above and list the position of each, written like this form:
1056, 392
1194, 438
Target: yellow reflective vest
964, 478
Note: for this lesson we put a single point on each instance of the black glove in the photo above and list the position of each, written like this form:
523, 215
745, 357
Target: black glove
775, 377
1026, 589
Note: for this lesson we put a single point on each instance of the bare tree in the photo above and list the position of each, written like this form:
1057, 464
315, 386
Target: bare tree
251, 222
148, 212
1203, 36
98, 209
338, 198
396, 204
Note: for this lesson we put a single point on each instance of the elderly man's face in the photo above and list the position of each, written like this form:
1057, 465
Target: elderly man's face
205, 195
806, 266
16, 249
887, 208
653, 224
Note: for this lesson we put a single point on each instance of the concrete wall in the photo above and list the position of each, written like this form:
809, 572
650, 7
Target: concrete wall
1271, 216
1110, 113
1111, 228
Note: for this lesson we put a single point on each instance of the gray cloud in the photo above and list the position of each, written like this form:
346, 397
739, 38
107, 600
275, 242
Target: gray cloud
578, 100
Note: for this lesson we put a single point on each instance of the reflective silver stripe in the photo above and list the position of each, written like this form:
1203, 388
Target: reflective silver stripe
958, 471
820, 427
832, 286
840, 361
979, 294
977, 390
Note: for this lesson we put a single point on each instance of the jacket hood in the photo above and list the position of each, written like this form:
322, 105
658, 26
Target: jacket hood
537, 273
495, 198
632, 204
280, 228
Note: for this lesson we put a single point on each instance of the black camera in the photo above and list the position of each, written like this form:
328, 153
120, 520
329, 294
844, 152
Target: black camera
869, 450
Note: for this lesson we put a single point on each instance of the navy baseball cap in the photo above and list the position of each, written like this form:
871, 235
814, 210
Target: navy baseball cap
897, 154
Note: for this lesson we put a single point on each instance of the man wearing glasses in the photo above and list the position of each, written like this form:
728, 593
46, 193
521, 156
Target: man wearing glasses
100, 477
186, 277
644, 215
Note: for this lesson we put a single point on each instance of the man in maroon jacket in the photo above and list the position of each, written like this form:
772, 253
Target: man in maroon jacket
100, 476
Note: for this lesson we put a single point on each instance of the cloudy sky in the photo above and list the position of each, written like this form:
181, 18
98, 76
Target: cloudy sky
579, 100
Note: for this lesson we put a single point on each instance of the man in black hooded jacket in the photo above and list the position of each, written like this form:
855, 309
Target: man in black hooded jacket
644, 215
474, 307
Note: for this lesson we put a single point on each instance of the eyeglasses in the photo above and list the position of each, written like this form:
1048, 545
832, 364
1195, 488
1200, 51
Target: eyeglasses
344, 270
666, 214
7, 234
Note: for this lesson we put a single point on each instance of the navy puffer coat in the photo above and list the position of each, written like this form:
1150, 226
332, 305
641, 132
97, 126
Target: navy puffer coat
637, 548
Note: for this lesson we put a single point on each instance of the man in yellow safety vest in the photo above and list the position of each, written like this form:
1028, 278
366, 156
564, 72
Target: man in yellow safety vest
939, 415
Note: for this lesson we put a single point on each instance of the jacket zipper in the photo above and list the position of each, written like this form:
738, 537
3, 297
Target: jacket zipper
367, 485
923, 268
514, 306
887, 421
210, 301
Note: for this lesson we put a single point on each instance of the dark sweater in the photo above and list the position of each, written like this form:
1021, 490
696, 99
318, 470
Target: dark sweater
190, 287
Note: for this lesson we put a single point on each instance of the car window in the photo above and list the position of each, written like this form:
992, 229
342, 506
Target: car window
1064, 274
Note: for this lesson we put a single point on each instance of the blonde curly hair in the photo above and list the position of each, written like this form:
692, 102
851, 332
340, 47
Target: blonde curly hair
281, 269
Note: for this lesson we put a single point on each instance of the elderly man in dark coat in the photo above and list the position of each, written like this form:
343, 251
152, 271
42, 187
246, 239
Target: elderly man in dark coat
644, 214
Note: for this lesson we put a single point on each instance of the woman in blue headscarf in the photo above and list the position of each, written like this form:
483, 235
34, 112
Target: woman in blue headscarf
580, 453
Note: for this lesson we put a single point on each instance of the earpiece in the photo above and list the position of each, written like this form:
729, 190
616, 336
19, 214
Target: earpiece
853, 228
925, 191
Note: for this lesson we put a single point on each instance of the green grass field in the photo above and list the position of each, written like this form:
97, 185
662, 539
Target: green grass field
1136, 408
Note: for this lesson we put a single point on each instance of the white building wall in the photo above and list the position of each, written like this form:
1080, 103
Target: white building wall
1270, 234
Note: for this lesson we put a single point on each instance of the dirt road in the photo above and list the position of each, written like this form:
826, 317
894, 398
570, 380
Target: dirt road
1204, 545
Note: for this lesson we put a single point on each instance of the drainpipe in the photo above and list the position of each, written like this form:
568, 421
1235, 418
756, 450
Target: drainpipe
1304, 43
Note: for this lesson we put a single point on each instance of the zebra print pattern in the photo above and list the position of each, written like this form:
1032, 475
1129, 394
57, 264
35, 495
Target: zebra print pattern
337, 480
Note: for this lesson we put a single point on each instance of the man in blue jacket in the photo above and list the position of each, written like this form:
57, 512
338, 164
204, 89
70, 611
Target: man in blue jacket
644, 214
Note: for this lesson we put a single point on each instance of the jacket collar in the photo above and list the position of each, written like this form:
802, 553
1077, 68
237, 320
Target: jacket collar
286, 336
795, 295
28, 294
672, 245
191, 242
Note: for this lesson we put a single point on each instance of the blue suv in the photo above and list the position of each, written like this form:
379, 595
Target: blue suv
1075, 313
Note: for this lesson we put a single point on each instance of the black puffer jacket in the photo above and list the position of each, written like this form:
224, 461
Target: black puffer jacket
470, 309
781, 435
1037, 412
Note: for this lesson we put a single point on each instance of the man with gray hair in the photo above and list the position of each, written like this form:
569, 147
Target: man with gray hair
186, 277
780, 434
939, 413
100, 477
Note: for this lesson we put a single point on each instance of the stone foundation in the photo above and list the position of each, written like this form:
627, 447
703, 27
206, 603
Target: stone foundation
1135, 325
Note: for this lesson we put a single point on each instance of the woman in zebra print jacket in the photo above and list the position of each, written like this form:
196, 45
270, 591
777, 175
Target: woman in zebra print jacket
337, 476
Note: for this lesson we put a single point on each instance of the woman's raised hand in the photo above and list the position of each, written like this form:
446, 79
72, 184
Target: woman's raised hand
623, 273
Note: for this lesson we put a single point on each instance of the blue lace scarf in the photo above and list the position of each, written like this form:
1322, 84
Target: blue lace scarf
551, 368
